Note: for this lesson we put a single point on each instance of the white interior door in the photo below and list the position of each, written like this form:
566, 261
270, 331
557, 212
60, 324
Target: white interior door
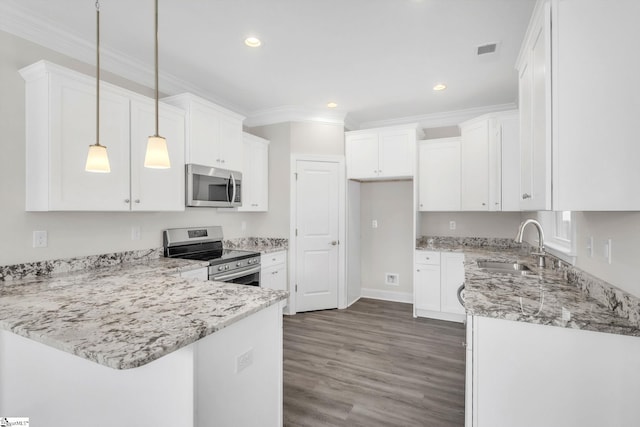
317, 214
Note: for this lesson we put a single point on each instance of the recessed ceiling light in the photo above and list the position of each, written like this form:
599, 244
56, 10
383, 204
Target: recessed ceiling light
252, 41
439, 87
332, 105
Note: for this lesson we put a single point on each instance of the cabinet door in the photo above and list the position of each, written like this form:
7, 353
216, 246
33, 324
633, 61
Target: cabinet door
595, 137
72, 127
439, 175
396, 153
451, 278
274, 277
510, 145
156, 189
362, 156
427, 287
495, 165
230, 143
255, 179
475, 167
203, 135
535, 117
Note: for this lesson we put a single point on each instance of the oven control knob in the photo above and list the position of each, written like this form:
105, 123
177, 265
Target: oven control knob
238, 264
226, 267
220, 268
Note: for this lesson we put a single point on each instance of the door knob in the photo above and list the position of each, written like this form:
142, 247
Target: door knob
333, 243
126, 200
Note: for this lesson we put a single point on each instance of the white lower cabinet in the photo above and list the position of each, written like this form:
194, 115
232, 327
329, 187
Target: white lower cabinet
437, 279
273, 273
528, 375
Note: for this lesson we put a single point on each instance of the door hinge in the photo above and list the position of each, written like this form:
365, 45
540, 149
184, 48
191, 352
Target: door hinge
296, 231
296, 287
296, 174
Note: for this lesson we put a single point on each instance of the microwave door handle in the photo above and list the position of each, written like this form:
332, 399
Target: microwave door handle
233, 198
227, 188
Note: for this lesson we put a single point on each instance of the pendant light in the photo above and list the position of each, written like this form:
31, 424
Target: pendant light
97, 158
157, 156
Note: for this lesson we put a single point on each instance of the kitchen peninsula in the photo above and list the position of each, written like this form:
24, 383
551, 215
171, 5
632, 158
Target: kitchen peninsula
135, 341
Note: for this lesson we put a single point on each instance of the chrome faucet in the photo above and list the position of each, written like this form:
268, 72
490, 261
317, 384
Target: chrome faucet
541, 254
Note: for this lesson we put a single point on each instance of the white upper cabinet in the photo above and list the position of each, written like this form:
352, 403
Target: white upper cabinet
156, 189
475, 166
439, 175
490, 162
213, 133
381, 153
61, 124
255, 178
579, 91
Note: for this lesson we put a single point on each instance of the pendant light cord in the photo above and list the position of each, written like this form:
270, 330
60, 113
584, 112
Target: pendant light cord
98, 73
156, 63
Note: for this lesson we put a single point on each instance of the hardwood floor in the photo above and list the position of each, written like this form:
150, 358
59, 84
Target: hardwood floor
371, 365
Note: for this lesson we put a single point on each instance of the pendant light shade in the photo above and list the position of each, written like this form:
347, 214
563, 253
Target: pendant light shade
97, 157
157, 156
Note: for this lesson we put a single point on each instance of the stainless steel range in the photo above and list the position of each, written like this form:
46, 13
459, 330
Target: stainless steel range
205, 244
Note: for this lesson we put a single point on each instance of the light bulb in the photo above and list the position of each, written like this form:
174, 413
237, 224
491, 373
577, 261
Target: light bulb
97, 159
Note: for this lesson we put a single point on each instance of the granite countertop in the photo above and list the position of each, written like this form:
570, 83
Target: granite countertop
264, 245
536, 298
126, 315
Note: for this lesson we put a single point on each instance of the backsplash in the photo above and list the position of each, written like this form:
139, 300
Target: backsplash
256, 243
58, 266
427, 242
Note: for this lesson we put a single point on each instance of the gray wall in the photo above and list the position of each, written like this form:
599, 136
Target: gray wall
388, 248
469, 224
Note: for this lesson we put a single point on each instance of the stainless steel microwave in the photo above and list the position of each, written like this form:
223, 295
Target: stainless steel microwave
213, 187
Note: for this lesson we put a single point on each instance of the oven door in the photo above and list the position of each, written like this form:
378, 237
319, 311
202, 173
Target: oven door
245, 276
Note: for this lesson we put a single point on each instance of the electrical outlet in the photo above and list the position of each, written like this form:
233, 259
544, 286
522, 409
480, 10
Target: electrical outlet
135, 232
392, 279
244, 360
452, 225
40, 239
374, 223
566, 314
608, 250
590, 246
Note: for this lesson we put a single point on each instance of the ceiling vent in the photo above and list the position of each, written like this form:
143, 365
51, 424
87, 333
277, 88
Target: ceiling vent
486, 49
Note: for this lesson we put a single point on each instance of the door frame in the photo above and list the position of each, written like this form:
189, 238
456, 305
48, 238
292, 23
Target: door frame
293, 220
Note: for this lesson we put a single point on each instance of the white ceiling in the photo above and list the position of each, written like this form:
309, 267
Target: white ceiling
378, 59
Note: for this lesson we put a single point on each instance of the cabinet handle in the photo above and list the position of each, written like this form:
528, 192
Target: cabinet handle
484, 204
137, 200
497, 203
218, 160
222, 161
254, 204
421, 205
127, 200
526, 196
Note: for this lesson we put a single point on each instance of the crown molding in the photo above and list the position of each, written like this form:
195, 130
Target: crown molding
15, 19
447, 118
294, 113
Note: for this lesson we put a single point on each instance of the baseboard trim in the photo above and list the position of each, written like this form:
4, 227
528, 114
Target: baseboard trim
406, 297
353, 302
451, 317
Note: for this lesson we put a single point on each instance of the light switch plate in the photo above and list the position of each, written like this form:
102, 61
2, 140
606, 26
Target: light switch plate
40, 239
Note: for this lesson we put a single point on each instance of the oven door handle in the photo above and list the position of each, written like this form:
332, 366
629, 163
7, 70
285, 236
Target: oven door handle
236, 274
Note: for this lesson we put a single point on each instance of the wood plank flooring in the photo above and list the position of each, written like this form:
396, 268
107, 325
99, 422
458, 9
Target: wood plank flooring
372, 365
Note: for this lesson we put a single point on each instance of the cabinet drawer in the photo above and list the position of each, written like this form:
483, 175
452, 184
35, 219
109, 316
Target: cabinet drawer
428, 257
273, 258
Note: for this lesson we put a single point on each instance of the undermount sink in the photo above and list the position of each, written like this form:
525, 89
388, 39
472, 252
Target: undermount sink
505, 267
